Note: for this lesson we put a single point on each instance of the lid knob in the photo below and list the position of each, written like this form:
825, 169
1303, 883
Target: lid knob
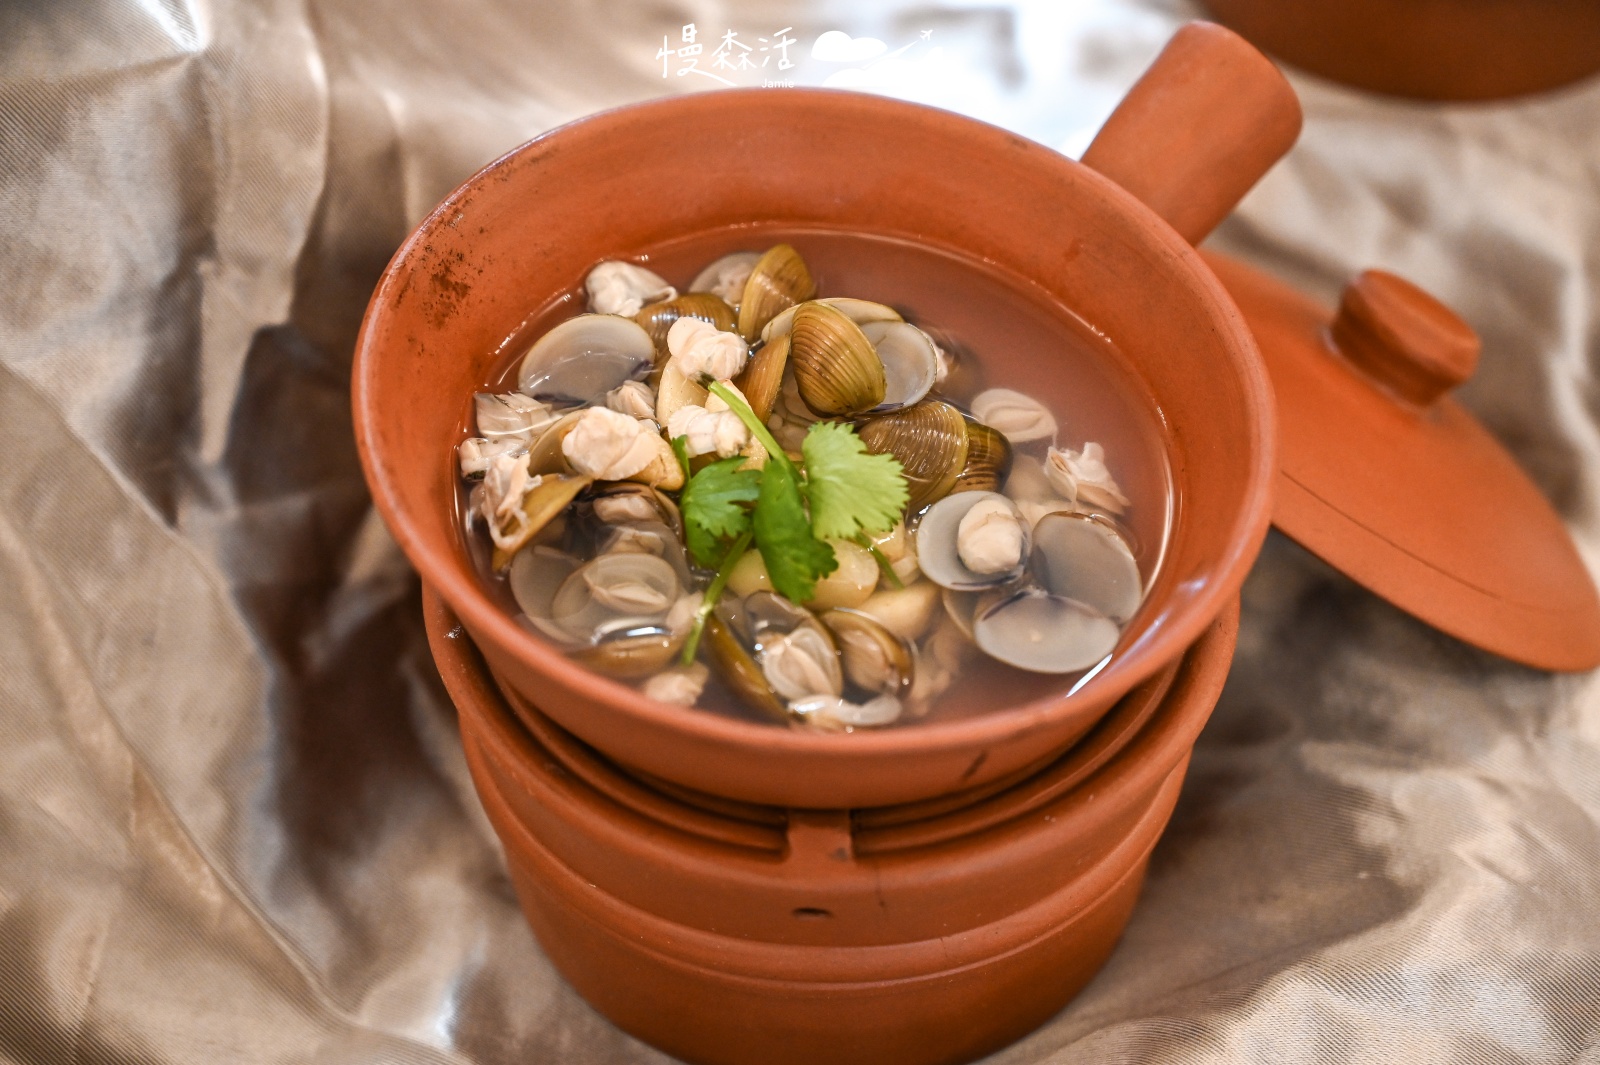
1403, 338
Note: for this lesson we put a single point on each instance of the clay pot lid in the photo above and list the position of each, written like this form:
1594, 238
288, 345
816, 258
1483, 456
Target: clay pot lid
1390, 480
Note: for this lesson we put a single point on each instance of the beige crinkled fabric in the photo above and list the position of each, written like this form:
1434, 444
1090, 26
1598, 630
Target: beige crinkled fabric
235, 824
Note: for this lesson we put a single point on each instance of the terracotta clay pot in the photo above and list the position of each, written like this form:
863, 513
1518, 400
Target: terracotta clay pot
1430, 49
724, 934
1209, 118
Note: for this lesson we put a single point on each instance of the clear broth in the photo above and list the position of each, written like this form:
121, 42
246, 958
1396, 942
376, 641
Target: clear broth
1018, 337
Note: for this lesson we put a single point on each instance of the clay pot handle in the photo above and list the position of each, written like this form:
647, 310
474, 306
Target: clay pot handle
1202, 126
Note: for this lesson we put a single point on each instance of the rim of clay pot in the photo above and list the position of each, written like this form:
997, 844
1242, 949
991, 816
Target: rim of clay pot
1161, 631
1163, 726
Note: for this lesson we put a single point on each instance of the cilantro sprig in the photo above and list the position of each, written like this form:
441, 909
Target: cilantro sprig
852, 491
713, 507
844, 492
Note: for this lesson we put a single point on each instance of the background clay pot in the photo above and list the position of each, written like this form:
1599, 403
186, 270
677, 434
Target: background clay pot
529, 226
1432, 49
848, 942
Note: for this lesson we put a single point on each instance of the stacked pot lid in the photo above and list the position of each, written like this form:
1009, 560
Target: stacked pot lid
1389, 479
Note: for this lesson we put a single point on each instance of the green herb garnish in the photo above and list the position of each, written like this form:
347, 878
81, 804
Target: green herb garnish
844, 492
714, 505
691, 646
795, 558
851, 490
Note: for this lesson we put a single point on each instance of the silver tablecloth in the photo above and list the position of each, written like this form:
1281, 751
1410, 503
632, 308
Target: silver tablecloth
234, 819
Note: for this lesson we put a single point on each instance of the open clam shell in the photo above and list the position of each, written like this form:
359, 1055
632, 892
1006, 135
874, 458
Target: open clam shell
543, 504
726, 277
988, 459
583, 358
615, 593
860, 312
835, 366
624, 502
674, 391
632, 654
534, 576
939, 551
875, 659
910, 361
762, 378
1044, 633
738, 668
1083, 558
778, 281
657, 318
930, 441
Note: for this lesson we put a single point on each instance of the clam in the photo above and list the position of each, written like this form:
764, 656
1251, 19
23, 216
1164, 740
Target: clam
875, 659
762, 378
540, 506
833, 714
959, 375
726, 276
910, 361
858, 311
738, 668
599, 611
534, 576
778, 281
546, 455
972, 540
618, 447
835, 366
675, 391
771, 651
801, 662
623, 502
1020, 417
930, 441
1031, 490
617, 287
510, 416
636, 399
988, 460
679, 686
644, 538
1084, 558
632, 654
583, 358
657, 318
1082, 477
615, 594
1044, 633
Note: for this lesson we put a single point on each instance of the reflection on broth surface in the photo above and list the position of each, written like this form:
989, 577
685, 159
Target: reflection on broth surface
826, 479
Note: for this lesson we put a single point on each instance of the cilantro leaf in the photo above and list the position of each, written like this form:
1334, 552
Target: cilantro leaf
851, 490
711, 505
795, 558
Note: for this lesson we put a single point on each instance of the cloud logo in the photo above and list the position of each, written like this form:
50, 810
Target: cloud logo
836, 46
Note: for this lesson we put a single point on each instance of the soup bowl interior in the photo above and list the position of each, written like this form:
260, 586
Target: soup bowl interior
734, 165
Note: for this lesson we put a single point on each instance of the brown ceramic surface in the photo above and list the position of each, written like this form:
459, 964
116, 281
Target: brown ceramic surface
535, 221
885, 875
724, 950
1432, 49
1390, 480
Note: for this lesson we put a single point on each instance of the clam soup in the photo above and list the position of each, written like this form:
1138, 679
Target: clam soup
969, 495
